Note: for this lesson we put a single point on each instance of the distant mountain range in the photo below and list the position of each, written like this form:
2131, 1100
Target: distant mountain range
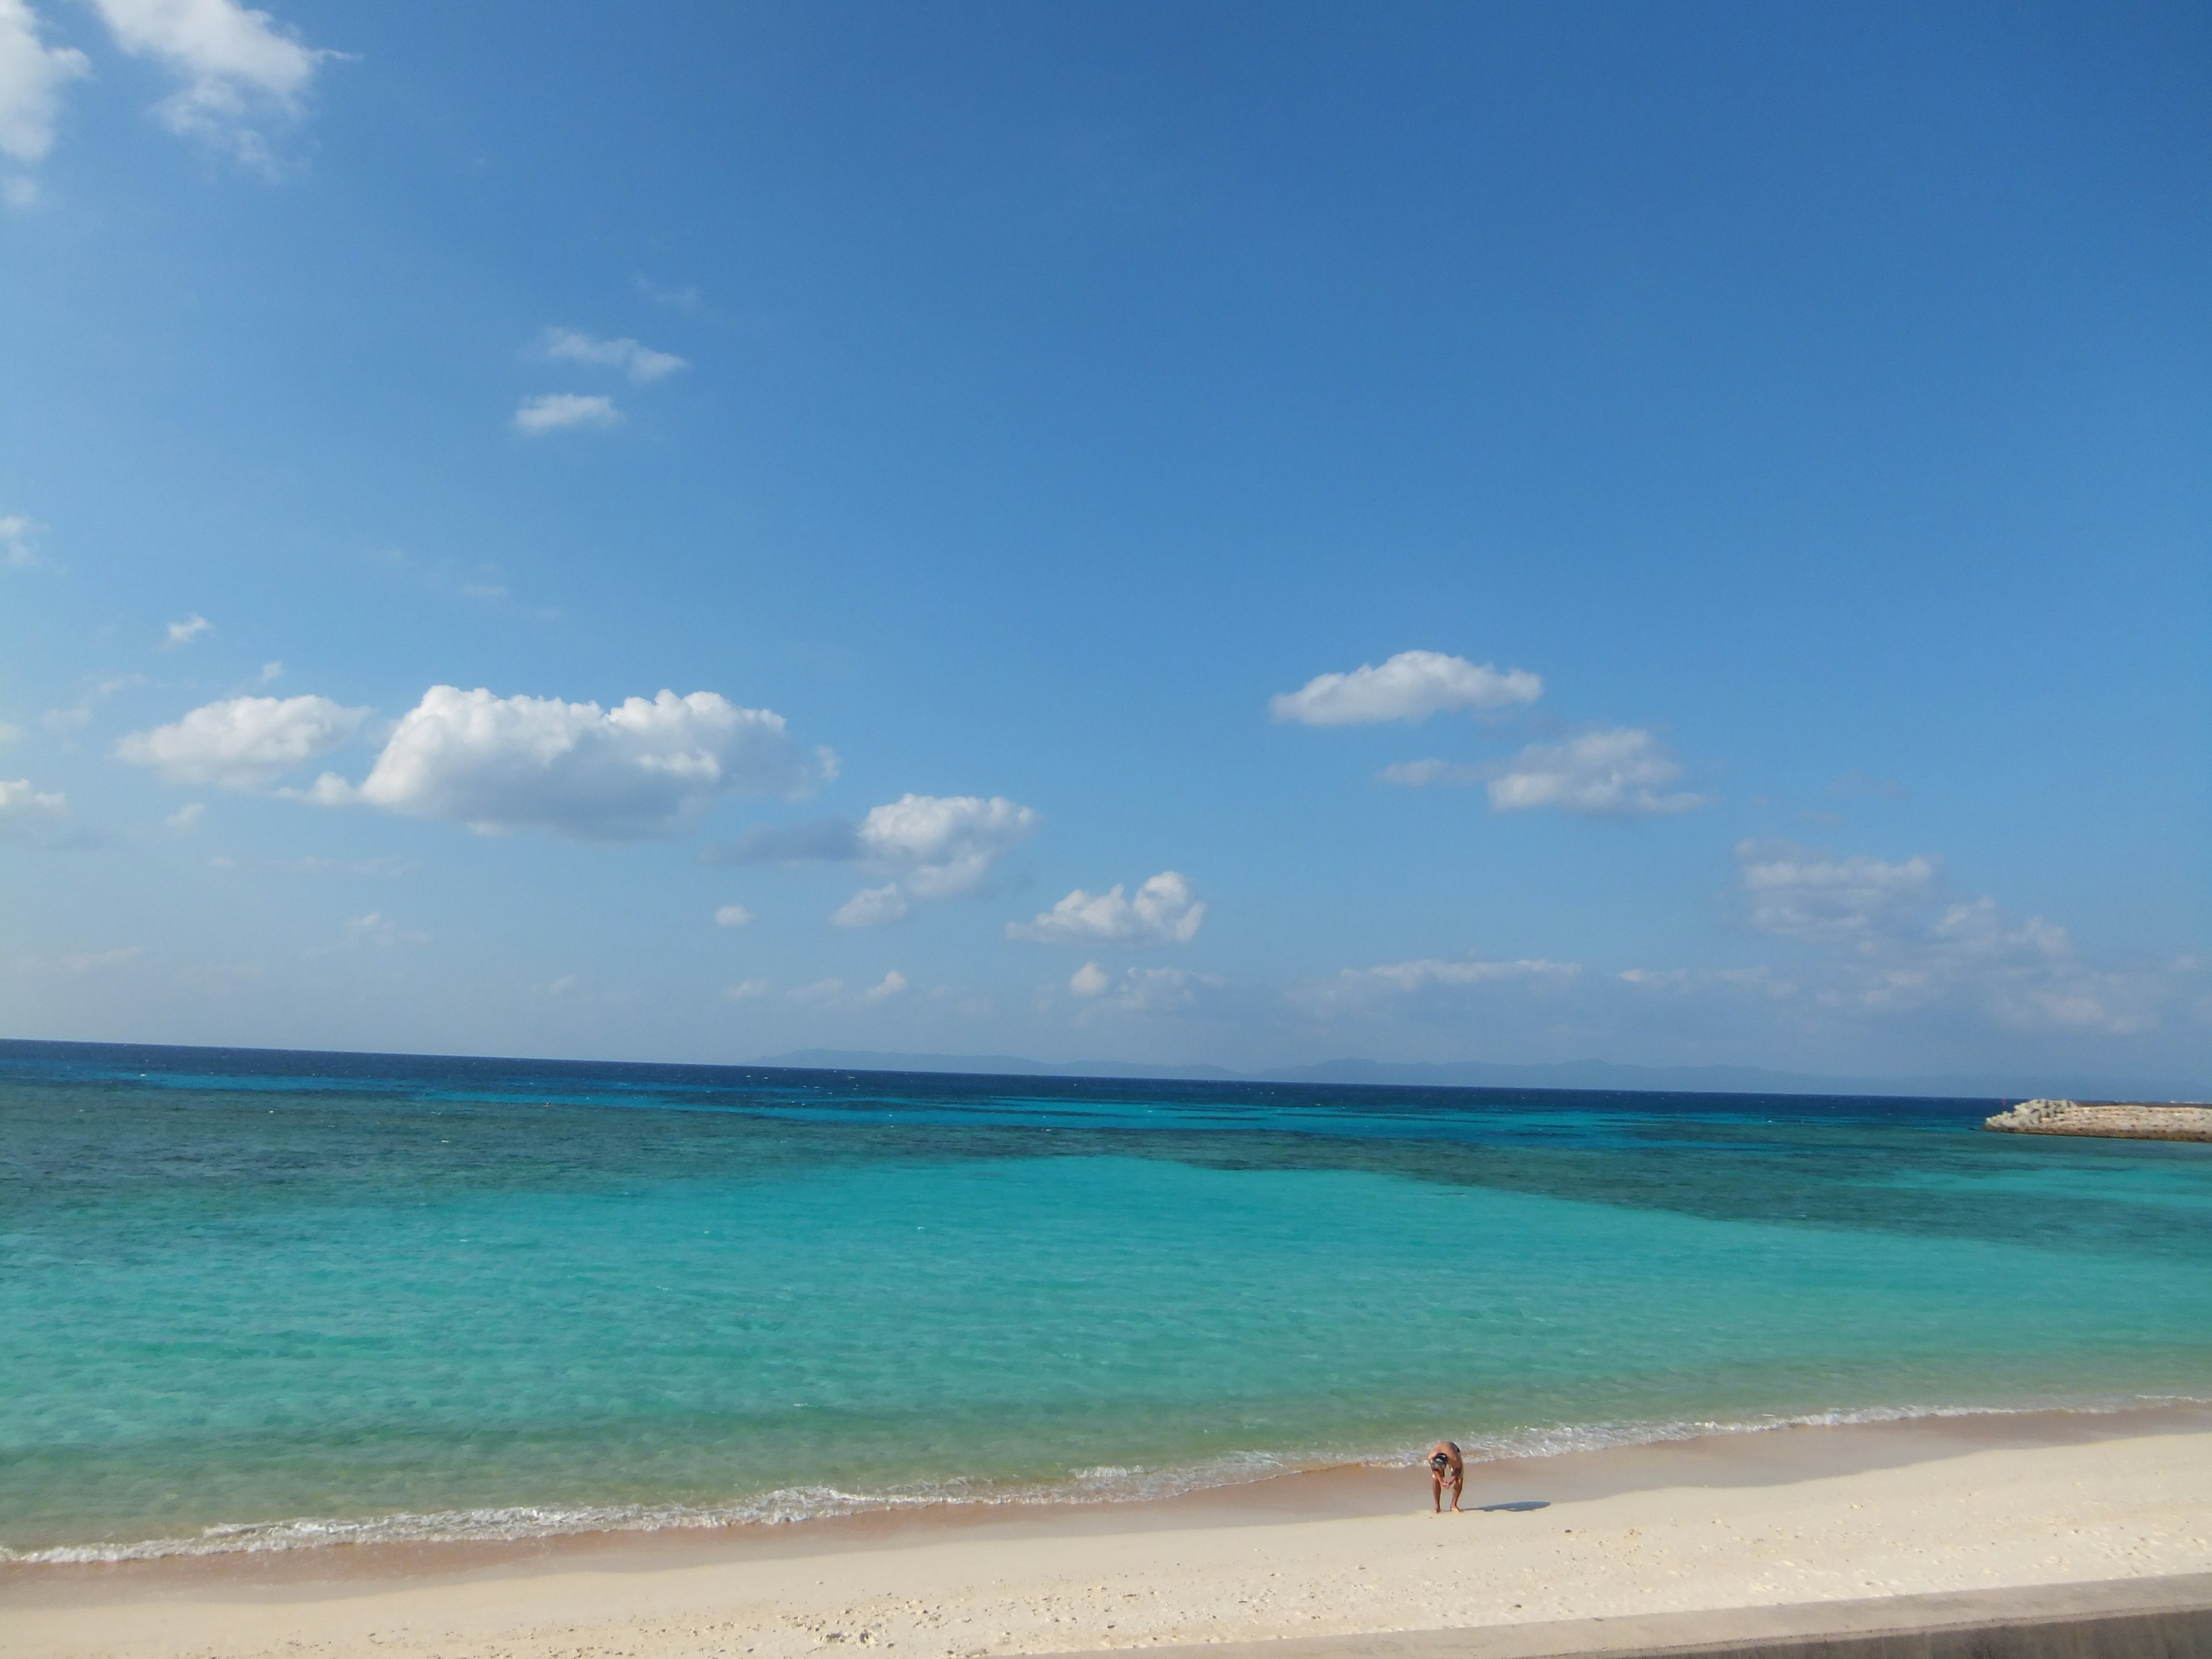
1478, 1074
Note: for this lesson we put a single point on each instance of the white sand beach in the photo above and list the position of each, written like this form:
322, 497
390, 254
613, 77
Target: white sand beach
1750, 1527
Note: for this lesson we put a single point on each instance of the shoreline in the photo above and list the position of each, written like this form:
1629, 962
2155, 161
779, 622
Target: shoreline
1757, 1451
1777, 1517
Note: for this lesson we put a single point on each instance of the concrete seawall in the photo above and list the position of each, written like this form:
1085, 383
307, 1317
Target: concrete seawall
2122, 1619
2118, 1119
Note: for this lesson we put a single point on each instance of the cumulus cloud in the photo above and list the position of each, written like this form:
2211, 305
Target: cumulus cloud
928, 847
1088, 981
25, 810
1618, 774
241, 70
641, 363
943, 846
184, 632
32, 76
732, 915
1166, 910
892, 984
560, 411
1412, 686
637, 771
1896, 939
243, 743
16, 532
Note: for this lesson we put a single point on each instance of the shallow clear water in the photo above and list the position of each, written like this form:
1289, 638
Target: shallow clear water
298, 1298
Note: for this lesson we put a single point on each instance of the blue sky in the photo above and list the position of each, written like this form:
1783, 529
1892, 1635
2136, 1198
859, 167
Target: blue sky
1746, 469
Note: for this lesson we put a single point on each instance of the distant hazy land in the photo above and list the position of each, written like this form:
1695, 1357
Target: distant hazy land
1478, 1074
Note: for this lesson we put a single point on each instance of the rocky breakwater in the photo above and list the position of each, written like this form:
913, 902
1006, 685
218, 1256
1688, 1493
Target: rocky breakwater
2121, 1120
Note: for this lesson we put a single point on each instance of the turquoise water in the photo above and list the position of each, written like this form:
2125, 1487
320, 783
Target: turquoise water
256, 1300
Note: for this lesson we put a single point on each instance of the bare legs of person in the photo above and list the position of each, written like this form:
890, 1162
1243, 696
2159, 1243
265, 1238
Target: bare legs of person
1446, 1468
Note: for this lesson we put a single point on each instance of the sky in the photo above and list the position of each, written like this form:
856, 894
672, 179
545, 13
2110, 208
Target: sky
1239, 534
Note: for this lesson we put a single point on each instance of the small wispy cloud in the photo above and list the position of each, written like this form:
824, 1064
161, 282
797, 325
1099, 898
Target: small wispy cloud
641, 363
563, 412
17, 533
1620, 774
184, 632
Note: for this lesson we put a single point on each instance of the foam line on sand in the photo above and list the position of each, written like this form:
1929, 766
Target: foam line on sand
2105, 1511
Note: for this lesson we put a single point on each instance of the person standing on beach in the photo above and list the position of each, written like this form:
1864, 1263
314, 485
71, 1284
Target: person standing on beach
1446, 1468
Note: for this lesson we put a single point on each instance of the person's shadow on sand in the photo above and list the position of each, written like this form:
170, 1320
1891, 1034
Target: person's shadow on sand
1519, 1505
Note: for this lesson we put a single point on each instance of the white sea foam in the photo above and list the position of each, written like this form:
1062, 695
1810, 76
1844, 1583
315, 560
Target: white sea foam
1103, 1484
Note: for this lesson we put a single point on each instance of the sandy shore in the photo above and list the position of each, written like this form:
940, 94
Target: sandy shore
1742, 1520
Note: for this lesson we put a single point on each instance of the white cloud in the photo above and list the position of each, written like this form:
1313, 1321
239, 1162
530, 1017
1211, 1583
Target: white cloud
1617, 774
933, 846
17, 532
1421, 774
243, 743
1857, 902
944, 844
641, 363
1898, 942
184, 632
240, 68
872, 907
24, 809
1412, 686
185, 819
1088, 981
557, 411
732, 915
1167, 910
822, 991
892, 984
32, 76
747, 990
638, 770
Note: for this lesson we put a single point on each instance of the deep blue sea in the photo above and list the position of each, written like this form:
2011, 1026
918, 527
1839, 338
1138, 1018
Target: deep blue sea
252, 1299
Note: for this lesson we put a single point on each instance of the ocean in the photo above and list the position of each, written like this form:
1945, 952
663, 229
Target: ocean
256, 1300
